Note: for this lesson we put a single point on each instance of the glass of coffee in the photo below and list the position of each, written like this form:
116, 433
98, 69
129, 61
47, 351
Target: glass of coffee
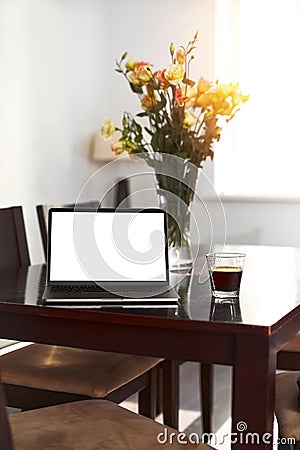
225, 273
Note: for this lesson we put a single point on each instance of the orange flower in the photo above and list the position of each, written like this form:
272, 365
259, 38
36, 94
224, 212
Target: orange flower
148, 102
159, 77
150, 89
181, 56
141, 74
118, 147
179, 97
144, 73
142, 63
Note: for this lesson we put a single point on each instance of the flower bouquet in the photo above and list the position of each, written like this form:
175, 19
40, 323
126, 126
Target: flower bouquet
180, 121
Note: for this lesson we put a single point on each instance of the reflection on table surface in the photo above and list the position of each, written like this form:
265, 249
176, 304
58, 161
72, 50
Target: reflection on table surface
270, 288
227, 311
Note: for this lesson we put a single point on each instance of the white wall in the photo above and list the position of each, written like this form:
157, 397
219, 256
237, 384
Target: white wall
52, 86
264, 222
57, 84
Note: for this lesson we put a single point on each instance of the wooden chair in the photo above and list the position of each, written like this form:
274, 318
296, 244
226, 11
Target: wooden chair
85, 425
286, 409
43, 375
14, 249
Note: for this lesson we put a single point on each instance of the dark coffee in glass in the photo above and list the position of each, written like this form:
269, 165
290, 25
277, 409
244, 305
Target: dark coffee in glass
225, 271
226, 278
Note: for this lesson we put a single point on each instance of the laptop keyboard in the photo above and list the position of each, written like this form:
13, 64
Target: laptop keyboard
78, 288
97, 288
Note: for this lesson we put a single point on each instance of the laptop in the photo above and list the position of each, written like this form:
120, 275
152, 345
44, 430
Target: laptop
108, 257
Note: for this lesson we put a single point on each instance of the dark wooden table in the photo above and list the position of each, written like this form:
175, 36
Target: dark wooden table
246, 336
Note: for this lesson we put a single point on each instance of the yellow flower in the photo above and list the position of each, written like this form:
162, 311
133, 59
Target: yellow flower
191, 93
189, 119
238, 98
203, 86
224, 90
118, 147
134, 79
107, 130
130, 64
202, 101
220, 105
141, 74
174, 74
144, 73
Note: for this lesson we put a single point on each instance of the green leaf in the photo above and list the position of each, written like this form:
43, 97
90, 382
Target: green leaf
123, 56
161, 141
148, 131
142, 114
178, 117
138, 127
154, 142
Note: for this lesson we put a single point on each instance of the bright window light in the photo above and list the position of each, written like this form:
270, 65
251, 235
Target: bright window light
258, 44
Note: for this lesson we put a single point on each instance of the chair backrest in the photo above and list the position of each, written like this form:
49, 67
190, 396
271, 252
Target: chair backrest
5, 436
13, 242
122, 194
42, 214
42, 220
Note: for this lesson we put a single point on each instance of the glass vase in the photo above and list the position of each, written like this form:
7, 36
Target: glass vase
175, 195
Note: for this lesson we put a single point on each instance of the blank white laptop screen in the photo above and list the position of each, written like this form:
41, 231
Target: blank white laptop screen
107, 246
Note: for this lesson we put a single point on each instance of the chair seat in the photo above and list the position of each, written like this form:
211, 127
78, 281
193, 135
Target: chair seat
88, 425
71, 370
287, 412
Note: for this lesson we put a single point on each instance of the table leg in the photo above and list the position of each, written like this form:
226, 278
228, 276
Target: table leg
253, 392
171, 393
147, 396
206, 389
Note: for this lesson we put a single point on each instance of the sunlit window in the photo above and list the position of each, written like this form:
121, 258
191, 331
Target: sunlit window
258, 44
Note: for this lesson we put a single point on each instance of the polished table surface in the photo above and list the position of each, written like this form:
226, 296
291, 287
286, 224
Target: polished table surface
246, 335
